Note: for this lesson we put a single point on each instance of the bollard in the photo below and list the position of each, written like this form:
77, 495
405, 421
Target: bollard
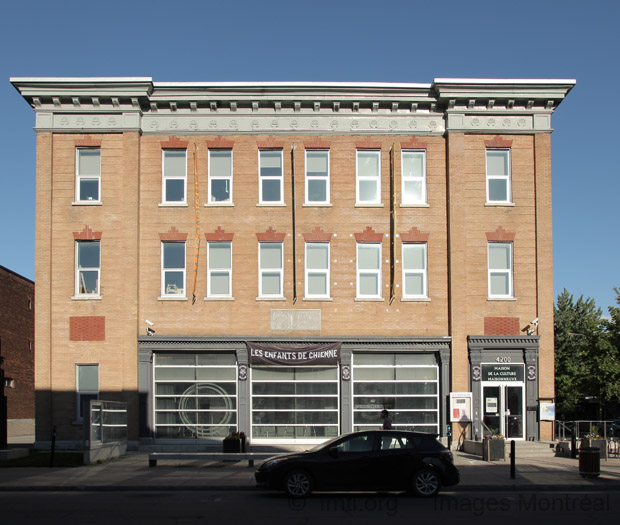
53, 446
513, 447
573, 445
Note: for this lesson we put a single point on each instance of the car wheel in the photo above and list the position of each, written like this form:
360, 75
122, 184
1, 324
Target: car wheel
298, 484
426, 483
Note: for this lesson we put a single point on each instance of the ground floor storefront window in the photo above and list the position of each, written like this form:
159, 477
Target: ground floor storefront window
295, 403
407, 385
195, 395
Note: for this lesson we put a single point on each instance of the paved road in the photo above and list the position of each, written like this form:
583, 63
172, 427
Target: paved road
231, 506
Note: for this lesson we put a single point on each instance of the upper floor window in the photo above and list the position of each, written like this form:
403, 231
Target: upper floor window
498, 176
368, 189
173, 269
414, 270
414, 177
219, 257
220, 176
500, 269
87, 267
88, 175
270, 177
317, 177
174, 179
271, 269
317, 270
368, 270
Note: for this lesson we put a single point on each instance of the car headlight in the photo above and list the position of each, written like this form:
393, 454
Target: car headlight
269, 465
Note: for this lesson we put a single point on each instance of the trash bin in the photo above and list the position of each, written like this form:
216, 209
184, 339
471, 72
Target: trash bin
589, 462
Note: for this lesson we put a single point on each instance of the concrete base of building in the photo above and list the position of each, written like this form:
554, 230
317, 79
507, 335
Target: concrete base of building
13, 453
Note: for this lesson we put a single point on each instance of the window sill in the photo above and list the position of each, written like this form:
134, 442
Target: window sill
369, 300
271, 298
499, 204
501, 298
421, 205
219, 298
219, 205
92, 297
171, 298
271, 204
318, 299
415, 300
368, 205
87, 203
316, 205
173, 205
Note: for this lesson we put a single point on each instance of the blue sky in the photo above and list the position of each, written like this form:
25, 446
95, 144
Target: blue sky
365, 41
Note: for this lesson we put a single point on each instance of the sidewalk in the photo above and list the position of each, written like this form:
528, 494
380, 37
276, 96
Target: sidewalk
132, 473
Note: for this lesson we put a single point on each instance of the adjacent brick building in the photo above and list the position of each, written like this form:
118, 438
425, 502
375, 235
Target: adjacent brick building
287, 259
17, 351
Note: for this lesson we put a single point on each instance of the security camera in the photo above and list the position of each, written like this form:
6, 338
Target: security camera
150, 323
534, 322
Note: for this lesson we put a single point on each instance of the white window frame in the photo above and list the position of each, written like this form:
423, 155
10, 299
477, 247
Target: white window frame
507, 177
165, 178
326, 272
416, 271
262, 271
210, 270
360, 178
79, 269
378, 271
279, 178
228, 177
164, 270
508, 272
79, 177
326, 179
79, 393
421, 179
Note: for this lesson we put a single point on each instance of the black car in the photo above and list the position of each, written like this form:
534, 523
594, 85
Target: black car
371, 460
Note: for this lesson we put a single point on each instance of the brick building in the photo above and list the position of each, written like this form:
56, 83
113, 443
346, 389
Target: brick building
361, 246
17, 351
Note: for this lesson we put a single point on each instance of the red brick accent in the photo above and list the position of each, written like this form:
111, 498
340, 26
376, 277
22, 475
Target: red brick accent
501, 326
219, 235
220, 143
88, 141
87, 328
270, 235
87, 235
500, 235
317, 235
173, 235
414, 235
498, 142
367, 143
368, 235
414, 143
271, 142
174, 143
317, 143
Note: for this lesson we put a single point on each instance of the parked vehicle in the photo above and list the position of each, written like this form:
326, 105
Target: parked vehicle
370, 460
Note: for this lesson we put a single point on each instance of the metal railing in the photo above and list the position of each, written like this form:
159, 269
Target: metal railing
566, 430
107, 423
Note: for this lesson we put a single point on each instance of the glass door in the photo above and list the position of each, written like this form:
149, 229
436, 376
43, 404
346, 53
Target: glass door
492, 409
513, 415
502, 408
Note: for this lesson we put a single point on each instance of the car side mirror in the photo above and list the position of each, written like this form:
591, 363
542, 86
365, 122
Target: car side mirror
333, 452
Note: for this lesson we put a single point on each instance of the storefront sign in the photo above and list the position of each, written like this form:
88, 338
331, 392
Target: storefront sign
547, 411
502, 373
284, 355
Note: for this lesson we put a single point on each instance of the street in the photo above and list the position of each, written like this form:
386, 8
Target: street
191, 507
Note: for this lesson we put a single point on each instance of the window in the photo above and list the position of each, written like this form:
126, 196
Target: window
174, 176
173, 269
414, 270
317, 177
270, 175
271, 263
414, 177
88, 173
368, 270
87, 267
500, 269
219, 256
498, 176
368, 177
317, 269
87, 386
220, 176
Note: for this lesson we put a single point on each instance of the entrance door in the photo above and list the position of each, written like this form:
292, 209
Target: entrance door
502, 406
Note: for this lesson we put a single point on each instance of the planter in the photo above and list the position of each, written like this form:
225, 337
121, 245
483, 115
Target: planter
494, 449
231, 445
601, 444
